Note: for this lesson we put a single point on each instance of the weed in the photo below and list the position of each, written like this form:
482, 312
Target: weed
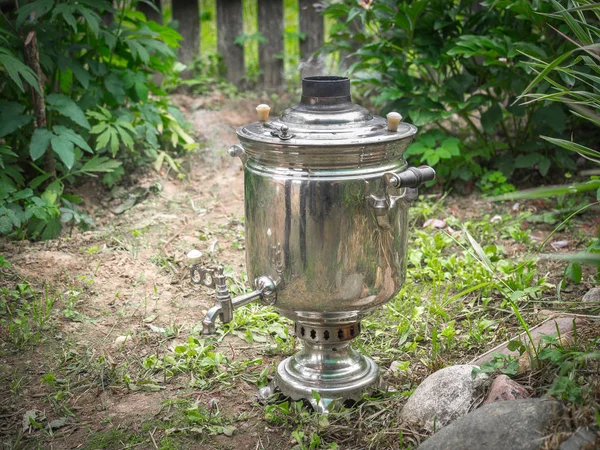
25, 314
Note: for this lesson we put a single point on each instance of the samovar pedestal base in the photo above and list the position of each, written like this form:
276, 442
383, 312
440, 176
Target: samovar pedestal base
328, 366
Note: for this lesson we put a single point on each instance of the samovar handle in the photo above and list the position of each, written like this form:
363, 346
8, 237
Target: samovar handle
214, 277
236, 150
413, 177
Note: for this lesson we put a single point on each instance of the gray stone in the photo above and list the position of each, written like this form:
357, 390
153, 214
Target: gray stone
518, 424
592, 296
582, 439
444, 396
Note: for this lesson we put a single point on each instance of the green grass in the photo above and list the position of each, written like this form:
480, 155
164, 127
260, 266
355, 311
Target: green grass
25, 312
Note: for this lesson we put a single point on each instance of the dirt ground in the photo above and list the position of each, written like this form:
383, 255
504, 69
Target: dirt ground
126, 279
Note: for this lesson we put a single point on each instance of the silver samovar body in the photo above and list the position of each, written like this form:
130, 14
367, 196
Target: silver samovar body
327, 193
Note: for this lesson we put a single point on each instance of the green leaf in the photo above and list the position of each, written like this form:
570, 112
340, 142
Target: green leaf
64, 149
68, 108
91, 18
6, 224
52, 229
114, 141
39, 142
547, 69
11, 118
33, 184
586, 152
103, 139
125, 137
100, 164
40, 7
75, 138
114, 86
573, 272
544, 165
553, 116
551, 191
141, 90
99, 128
452, 146
80, 73
491, 118
526, 161
17, 70
432, 158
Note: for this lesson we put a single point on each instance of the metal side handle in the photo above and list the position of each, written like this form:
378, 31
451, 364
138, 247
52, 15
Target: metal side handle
413, 177
409, 180
238, 150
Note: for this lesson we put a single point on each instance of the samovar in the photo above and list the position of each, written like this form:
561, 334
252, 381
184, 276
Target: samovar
327, 193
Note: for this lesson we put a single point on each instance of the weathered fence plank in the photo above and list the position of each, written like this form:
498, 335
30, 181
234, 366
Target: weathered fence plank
313, 26
187, 14
270, 53
150, 12
229, 26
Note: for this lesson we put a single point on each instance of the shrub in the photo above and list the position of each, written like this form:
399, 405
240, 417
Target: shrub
458, 66
554, 82
78, 100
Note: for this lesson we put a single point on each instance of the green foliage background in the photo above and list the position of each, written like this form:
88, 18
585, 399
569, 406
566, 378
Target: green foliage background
105, 114
457, 68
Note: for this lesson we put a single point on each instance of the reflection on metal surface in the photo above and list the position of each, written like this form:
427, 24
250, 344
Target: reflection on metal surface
327, 193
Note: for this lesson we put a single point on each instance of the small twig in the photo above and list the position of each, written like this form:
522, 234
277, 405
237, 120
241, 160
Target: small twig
110, 331
152, 437
185, 225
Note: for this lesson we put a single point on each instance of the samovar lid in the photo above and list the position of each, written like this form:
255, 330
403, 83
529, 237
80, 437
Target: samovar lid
325, 116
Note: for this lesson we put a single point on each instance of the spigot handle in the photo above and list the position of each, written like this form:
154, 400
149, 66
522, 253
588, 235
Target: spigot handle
214, 277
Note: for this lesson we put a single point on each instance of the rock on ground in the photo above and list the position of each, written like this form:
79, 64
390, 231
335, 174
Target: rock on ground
444, 396
503, 388
518, 424
592, 296
582, 439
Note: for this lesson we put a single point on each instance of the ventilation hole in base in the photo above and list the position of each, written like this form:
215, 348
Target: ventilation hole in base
340, 334
313, 334
334, 349
351, 331
302, 331
326, 335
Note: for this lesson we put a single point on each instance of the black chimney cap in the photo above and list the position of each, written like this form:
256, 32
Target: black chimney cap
325, 87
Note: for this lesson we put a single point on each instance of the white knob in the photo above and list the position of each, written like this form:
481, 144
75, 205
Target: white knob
263, 112
194, 257
393, 120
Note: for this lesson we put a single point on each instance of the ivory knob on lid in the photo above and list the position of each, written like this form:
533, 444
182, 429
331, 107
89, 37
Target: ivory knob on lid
263, 112
393, 120
194, 257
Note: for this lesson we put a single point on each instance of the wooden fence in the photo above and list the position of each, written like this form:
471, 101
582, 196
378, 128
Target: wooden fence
229, 19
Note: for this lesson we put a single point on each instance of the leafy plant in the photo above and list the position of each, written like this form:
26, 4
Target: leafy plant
570, 79
79, 101
458, 67
434, 147
494, 182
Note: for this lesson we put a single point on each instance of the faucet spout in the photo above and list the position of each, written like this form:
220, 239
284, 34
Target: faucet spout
225, 305
209, 323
